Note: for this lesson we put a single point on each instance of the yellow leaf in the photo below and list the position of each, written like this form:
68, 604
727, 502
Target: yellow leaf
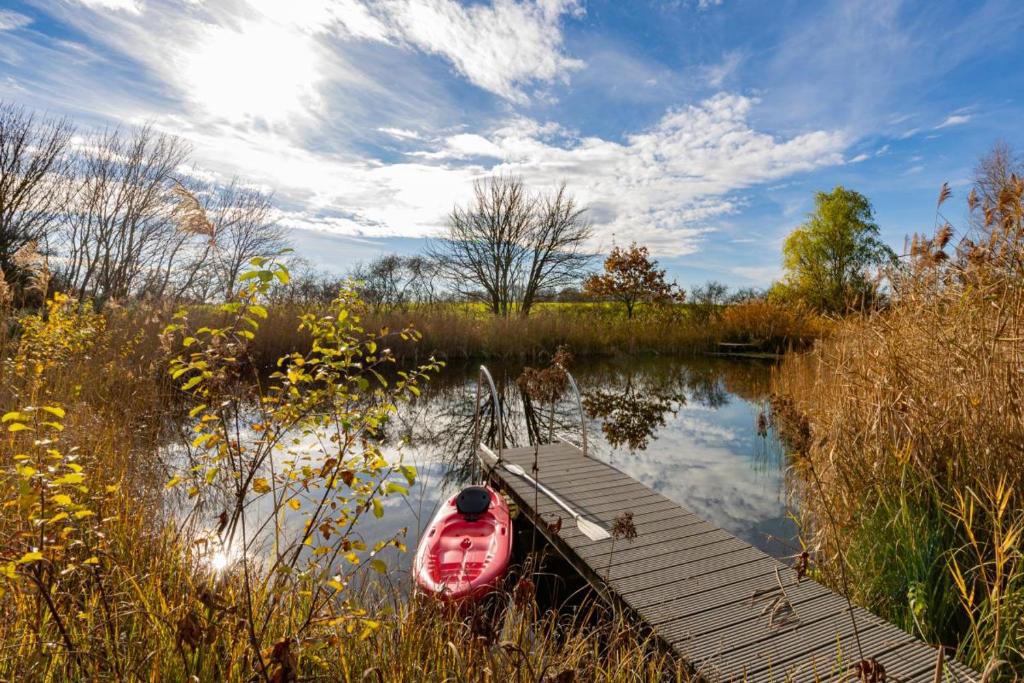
54, 410
294, 504
25, 470
378, 508
82, 514
92, 560
33, 556
62, 499
352, 557
173, 482
74, 478
17, 427
59, 516
260, 485
336, 585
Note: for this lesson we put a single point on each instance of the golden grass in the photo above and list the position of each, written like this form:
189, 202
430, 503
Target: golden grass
463, 331
909, 424
124, 596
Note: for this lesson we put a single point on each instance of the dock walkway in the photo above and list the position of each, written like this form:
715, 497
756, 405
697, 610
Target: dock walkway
728, 609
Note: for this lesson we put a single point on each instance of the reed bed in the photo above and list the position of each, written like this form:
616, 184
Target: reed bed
909, 429
101, 580
595, 330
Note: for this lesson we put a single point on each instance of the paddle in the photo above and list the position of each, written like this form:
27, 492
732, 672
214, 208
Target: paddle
594, 532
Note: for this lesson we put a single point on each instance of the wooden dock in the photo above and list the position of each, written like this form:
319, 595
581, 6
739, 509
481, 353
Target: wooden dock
728, 609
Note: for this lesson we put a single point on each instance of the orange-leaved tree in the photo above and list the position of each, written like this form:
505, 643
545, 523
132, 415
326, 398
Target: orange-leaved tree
632, 276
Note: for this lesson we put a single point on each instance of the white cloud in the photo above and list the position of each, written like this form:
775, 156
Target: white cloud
859, 158
401, 133
664, 186
130, 6
499, 47
11, 20
954, 120
717, 73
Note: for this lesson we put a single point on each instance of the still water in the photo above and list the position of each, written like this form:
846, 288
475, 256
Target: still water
692, 429
695, 430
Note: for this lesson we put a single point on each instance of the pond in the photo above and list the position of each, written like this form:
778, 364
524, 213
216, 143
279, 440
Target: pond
695, 430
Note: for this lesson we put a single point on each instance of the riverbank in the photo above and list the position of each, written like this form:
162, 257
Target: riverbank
592, 330
907, 429
99, 580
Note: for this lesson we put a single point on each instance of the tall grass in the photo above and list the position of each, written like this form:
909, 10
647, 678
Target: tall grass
461, 332
912, 420
101, 580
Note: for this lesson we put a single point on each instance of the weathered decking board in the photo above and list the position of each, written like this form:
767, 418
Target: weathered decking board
694, 584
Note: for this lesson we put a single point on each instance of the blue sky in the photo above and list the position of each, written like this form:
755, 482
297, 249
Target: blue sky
701, 128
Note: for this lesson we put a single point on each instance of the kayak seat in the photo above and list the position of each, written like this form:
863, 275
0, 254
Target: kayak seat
473, 501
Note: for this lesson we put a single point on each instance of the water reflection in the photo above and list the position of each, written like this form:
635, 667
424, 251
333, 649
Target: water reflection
631, 413
689, 429
686, 428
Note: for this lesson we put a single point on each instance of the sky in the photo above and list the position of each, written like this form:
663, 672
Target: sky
700, 128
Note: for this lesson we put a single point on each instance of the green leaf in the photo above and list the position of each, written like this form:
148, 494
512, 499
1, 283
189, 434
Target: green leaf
409, 471
378, 508
392, 487
378, 566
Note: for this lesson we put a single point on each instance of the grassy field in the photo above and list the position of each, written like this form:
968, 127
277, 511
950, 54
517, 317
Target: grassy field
908, 426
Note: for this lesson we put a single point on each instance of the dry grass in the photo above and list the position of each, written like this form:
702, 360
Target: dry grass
912, 419
122, 594
460, 332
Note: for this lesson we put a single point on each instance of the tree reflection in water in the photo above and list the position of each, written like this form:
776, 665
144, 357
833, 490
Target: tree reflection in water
631, 415
632, 400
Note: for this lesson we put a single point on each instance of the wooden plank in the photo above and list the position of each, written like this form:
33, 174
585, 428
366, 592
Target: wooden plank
685, 571
738, 608
624, 552
695, 584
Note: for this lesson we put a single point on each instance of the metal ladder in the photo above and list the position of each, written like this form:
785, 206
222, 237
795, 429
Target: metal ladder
485, 374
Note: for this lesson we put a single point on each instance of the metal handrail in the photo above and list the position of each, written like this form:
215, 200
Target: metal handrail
579, 404
486, 374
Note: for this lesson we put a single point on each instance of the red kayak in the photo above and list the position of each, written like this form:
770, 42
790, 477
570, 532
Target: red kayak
465, 551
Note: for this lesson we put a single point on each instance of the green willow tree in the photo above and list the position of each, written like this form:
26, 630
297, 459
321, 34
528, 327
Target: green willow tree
830, 259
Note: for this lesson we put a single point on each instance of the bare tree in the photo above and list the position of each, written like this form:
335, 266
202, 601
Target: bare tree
393, 281
244, 228
121, 219
554, 250
34, 172
508, 244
